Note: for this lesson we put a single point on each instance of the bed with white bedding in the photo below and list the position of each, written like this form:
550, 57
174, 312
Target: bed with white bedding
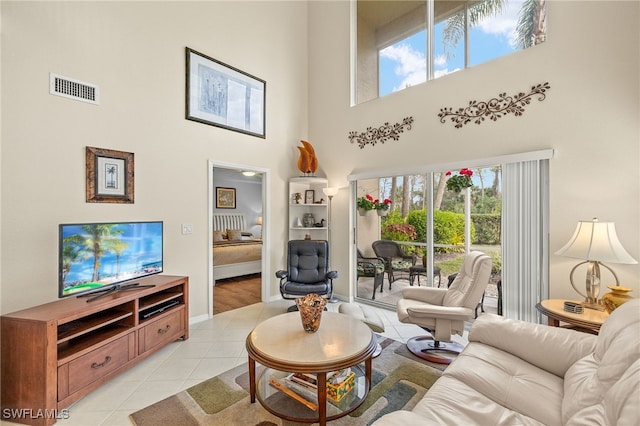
236, 251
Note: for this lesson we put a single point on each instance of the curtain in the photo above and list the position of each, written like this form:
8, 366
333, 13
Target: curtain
525, 242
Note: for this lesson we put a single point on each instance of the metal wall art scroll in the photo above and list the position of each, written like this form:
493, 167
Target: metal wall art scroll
380, 134
494, 108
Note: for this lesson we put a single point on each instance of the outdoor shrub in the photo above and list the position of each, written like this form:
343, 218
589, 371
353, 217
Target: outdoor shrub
496, 262
487, 227
398, 232
418, 218
448, 228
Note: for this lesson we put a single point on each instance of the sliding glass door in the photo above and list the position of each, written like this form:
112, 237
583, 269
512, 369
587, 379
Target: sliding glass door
421, 225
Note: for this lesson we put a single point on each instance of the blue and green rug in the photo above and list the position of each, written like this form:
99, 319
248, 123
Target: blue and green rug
399, 381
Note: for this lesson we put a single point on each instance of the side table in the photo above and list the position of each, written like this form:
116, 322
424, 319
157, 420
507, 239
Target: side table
590, 320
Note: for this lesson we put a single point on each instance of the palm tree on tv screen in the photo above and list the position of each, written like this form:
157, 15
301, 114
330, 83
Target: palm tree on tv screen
97, 234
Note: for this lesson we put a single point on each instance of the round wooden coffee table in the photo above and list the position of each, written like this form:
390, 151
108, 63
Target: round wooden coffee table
283, 347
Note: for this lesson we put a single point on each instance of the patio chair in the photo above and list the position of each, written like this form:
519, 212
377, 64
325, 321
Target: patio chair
371, 267
395, 259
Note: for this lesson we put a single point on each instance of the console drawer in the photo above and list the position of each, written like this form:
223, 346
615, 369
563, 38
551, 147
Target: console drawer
162, 330
97, 363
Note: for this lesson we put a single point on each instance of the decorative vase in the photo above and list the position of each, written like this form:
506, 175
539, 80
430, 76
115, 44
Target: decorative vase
310, 308
308, 220
382, 213
362, 212
616, 297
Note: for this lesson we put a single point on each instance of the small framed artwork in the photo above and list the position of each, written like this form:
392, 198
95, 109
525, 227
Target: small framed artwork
109, 176
221, 95
225, 198
309, 196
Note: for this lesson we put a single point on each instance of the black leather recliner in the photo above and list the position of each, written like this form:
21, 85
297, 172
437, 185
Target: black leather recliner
307, 270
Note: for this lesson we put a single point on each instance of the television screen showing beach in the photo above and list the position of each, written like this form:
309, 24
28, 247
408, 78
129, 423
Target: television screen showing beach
93, 256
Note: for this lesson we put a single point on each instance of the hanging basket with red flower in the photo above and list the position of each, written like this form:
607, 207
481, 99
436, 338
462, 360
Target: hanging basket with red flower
460, 181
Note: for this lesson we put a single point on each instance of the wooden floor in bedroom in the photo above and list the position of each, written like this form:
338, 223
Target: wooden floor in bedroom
234, 293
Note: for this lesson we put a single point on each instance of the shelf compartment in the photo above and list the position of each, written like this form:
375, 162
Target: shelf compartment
76, 347
149, 302
91, 323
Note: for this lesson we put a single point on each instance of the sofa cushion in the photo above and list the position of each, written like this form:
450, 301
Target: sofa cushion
515, 337
453, 402
507, 381
590, 380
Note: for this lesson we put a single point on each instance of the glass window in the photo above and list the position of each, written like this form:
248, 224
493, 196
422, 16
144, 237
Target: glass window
394, 51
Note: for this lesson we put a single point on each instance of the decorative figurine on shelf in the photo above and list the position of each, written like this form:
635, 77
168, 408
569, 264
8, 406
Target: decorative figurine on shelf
307, 161
319, 224
297, 197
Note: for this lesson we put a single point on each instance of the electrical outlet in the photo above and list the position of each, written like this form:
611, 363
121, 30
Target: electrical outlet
187, 228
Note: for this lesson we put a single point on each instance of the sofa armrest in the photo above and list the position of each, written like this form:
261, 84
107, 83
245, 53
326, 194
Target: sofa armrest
431, 295
553, 349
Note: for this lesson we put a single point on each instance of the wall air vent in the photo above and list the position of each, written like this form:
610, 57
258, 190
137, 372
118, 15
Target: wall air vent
74, 89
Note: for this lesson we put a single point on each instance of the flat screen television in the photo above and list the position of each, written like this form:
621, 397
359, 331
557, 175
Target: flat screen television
105, 257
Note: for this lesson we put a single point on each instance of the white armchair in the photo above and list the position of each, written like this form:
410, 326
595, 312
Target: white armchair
443, 312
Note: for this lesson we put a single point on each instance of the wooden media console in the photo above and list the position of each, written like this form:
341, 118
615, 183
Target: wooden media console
56, 353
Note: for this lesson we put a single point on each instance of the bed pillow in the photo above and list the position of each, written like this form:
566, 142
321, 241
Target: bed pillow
217, 236
234, 234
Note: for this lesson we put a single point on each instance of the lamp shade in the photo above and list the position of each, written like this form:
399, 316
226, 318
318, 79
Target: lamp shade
596, 241
330, 191
259, 221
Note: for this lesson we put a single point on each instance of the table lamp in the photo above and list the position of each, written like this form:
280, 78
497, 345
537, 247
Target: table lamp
596, 242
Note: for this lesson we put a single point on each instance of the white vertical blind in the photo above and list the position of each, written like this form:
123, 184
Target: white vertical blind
525, 242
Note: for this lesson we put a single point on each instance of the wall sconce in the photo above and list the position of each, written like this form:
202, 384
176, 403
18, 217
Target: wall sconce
596, 242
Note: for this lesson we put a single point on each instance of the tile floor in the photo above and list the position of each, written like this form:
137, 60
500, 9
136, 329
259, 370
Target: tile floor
214, 346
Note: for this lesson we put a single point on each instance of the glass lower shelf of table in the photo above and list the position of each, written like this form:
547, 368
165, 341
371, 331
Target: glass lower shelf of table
285, 397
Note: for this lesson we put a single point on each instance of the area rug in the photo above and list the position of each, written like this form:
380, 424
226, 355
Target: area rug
399, 381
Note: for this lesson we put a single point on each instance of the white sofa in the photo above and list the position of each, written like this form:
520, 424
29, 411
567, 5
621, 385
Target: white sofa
519, 373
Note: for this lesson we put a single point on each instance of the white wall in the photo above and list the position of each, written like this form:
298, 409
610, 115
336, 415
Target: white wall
135, 52
590, 118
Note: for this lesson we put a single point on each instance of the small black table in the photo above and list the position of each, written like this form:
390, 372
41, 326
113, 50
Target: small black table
415, 272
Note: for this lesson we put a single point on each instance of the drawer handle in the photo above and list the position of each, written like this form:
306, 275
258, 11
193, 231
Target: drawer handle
164, 330
107, 360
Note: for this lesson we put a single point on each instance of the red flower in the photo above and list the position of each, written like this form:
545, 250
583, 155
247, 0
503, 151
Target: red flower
448, 173
466, 172
369, 197
387, 201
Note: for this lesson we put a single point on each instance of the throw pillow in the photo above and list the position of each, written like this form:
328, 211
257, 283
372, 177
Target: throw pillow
234, 234
217, 236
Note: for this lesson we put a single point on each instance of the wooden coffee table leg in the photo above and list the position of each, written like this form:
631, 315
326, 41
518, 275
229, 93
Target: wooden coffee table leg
553, 322
252, 379
322, 398
367, 370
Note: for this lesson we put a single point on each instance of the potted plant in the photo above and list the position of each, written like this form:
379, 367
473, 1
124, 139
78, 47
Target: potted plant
460, 181
365, 204
382, 207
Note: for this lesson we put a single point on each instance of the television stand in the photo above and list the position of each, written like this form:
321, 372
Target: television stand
62, 350
95, 295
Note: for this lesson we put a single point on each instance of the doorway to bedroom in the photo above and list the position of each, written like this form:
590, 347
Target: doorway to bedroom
237, 222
